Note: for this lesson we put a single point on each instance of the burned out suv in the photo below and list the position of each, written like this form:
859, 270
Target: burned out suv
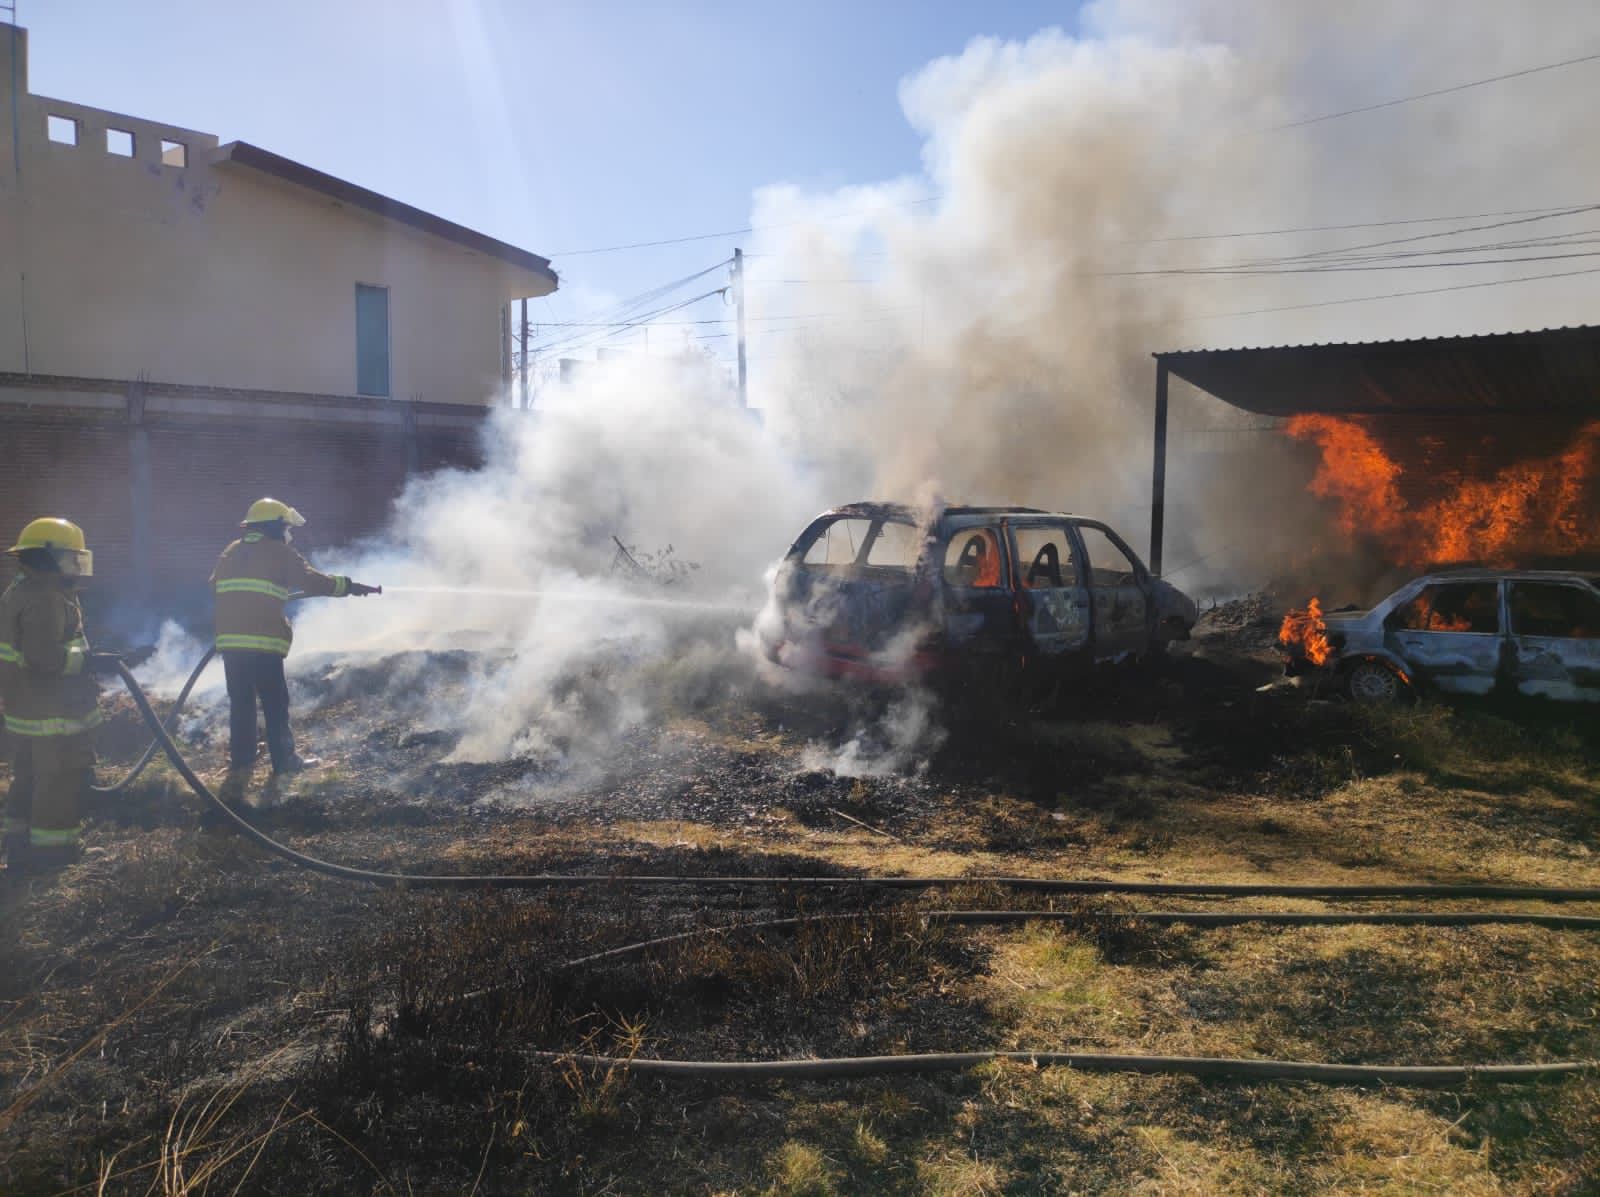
883, 592
1529, 632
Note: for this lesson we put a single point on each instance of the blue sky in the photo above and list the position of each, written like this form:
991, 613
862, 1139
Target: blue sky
554, 126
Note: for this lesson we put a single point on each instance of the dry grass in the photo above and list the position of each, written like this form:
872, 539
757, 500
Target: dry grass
342, 1039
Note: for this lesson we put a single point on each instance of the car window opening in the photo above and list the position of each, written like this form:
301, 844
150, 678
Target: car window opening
893, 546
1452, 607
837, 545
1547, 609
1109, 565
973, 560
1045, 557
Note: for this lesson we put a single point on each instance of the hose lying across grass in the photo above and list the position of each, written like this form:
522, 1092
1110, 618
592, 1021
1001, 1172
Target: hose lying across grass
1050, 885
155, 745
1156, 918
861, 1066
1225, 1067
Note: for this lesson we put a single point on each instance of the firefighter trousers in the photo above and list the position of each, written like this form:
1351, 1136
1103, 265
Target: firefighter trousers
253, 675
49, 775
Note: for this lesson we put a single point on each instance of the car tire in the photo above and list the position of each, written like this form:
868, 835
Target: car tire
1372, 683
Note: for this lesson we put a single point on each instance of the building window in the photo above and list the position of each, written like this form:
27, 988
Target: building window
174, 153
372, 340
119, 142
62, 130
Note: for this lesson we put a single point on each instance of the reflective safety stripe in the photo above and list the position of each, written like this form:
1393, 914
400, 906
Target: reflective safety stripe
341, 586
53, 837
77, 654
52, 727
251, 537
253, 586
255, 644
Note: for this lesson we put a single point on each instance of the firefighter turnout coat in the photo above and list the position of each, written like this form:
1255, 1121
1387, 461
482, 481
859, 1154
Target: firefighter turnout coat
49, 697
253, 579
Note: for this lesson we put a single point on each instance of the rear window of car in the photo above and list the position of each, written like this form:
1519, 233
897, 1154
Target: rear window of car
889, 544
1551, 609
838, 544
1451, 607
894, 547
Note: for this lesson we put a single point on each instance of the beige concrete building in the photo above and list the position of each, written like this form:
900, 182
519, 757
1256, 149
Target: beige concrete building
186, 326
131, 250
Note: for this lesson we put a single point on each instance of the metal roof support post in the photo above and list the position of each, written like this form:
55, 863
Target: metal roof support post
1158, 471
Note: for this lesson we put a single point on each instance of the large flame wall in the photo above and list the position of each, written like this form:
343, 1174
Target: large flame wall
1502, 491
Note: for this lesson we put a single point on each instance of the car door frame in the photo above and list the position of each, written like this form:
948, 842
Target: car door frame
1069, 607
976, 618
1427, 670
1111, 643
1571, 677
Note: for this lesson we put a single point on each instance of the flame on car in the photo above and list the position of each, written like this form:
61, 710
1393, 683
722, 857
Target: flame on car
1305, 634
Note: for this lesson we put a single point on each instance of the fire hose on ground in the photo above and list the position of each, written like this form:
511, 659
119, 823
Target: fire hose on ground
1243, 1069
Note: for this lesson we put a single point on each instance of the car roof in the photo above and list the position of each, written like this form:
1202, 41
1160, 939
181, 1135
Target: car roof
906, 513
1470, 573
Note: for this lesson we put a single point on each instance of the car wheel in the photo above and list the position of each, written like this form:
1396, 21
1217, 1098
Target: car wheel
1373, 683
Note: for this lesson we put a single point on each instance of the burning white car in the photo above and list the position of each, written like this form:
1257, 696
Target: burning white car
1530, 632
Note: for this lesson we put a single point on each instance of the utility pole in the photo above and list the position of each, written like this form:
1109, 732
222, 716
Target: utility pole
738, 300
526, 402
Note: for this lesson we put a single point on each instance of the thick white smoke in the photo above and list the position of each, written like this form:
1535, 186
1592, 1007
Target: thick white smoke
984, 330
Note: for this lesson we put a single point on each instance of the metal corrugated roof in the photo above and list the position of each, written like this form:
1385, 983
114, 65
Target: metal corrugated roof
1550, 370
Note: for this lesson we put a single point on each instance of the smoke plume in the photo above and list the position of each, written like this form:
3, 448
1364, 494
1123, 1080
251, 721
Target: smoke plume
983, 331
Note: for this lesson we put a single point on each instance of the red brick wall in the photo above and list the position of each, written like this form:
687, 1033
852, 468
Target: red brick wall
204, 471
72, 466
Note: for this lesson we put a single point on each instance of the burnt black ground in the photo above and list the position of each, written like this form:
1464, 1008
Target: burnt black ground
377, 1041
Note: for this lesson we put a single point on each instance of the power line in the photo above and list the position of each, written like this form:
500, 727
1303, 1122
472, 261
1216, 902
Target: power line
1244, 272
620, 314
1339, 228
1545, 214
611, 249
1328, 303
758, 228
584, 341
1442, 91
1312, 120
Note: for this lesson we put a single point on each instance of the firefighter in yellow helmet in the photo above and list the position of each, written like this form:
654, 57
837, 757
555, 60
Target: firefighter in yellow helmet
50, 697
253, 580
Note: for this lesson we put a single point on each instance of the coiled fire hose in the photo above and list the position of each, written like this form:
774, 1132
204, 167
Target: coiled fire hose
865, 1066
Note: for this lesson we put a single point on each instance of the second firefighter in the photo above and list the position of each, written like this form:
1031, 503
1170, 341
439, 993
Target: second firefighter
255, 576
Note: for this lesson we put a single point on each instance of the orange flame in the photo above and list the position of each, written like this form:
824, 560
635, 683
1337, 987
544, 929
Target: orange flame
1542, 506
1305, 633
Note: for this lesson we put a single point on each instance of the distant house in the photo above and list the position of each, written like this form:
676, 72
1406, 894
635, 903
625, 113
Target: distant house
187, 325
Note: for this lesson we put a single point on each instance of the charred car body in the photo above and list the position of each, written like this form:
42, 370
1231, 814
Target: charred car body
1531, 632
882, 592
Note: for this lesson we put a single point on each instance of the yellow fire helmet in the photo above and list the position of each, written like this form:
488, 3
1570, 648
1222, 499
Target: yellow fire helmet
63, 539
272, 511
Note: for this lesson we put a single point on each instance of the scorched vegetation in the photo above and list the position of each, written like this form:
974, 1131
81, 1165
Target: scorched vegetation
179, 1016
